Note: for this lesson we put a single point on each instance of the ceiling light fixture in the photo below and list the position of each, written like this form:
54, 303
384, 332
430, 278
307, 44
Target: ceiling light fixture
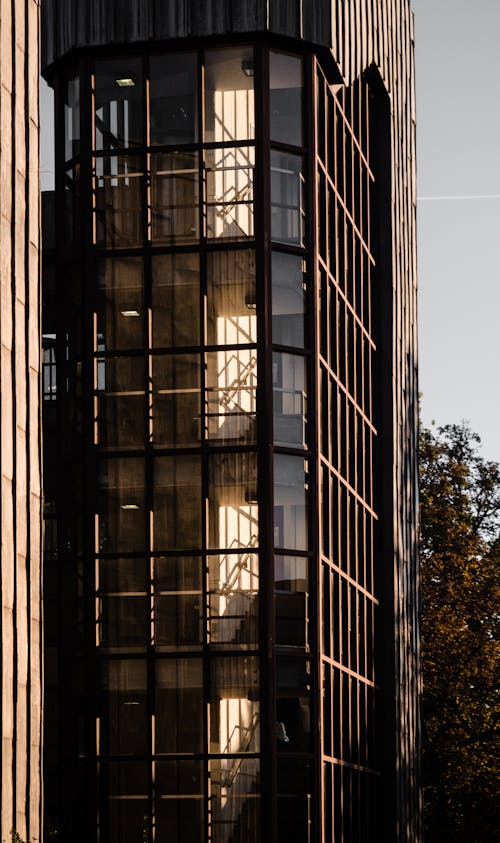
247, 67
129, 506
125, 82
130, 313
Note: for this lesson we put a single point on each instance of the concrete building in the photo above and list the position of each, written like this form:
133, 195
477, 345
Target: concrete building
234, 650
20, 595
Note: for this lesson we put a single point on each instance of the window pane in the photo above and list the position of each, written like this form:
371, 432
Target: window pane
234, 705
179, 705
176, 399
177, 503
118, 103
231, 396
229, 189
173, 95
124, 621
121, 412
118, 201
233, 509
123, 726
178, 602
285, 80
123, 575
123, 811
121, 505
289, 399
72, 118
176, 300
175, 197
120, 308
290, 502
288, 299
229, 95
291, 582
293, 685
231, 301
287, 204
179, 788
233, 599
294, 800
234, 787
72, 206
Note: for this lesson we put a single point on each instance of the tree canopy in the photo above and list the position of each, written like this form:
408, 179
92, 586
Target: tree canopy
460, 556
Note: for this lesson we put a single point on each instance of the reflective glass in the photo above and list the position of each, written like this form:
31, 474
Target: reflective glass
233, 509
118, 201
231, 396
121, 411
174, 177
235, 803
293, 688
122, 707
124, 806
177, 503
72, 118
233, 582
173, 98
231, 298
176, 300
290, 502
234, 705
176, 399
118, 103
285, 98
179, 706
124, 621
119, 305
288, 283
229, 94
291, 583
179, 789
121, 505
287, 201
178, 602
289, 399
122, 576
229, 190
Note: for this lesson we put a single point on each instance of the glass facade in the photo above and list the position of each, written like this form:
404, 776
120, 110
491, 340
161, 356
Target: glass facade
216, 416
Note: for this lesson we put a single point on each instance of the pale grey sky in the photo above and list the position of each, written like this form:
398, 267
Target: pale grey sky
458, 143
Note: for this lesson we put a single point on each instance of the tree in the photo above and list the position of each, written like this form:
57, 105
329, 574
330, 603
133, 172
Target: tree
460, 556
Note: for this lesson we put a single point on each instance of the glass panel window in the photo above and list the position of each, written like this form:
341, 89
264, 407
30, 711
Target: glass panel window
124, 807
121, 412
176, 399
233, 509
289, 399
231, 298
288, 288
231, 396
234, 705
118, 103
123, 576
176, 300
120, 307
179, 706
291, 583
229, 95
122, 709
175, 197
233, 599
179, 789
178, 602
285, 81
118, 201
293, 687
290, 502
123, 620
229, 189
173, 95
294, 804
287, 201
72, 206
72, 118
177, 503
121, 505
234, 788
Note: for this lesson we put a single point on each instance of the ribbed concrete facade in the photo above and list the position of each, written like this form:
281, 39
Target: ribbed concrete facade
360, 35
20, 630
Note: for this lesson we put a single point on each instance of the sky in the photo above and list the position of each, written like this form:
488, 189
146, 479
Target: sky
458, 186
458, 155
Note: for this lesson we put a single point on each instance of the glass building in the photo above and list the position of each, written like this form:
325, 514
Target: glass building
225, 661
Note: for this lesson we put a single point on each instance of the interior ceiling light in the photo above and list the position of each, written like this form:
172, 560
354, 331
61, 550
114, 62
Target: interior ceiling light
247, 67
125, 82
129, 506
130, 313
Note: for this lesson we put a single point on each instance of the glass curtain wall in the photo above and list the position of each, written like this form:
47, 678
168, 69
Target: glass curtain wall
160, 387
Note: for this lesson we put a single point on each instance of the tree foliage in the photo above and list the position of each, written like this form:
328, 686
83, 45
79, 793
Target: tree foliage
460, 556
